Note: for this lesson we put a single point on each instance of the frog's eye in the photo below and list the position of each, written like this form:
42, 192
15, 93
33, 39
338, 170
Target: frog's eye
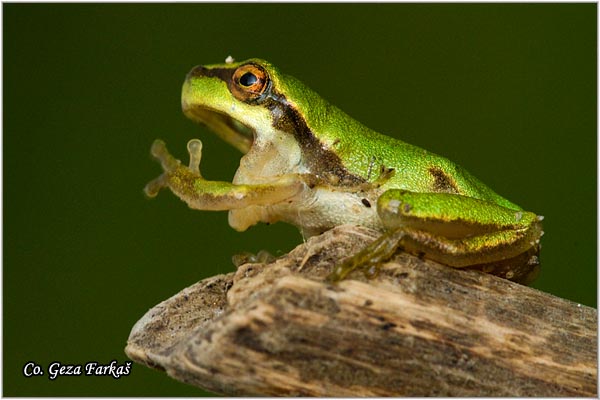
249, 82
248, 79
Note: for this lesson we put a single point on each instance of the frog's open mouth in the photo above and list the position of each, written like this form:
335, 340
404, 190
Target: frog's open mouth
229, 129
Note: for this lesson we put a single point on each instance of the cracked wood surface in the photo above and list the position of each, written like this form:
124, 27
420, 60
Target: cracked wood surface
417, 329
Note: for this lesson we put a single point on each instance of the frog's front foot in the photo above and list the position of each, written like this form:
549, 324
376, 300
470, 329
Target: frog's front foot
170, 164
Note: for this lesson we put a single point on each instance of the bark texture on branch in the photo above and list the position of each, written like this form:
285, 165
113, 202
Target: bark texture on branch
417, 329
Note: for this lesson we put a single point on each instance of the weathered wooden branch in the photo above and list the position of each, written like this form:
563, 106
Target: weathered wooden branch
417, 329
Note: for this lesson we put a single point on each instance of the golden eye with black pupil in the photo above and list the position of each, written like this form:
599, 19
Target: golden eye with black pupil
249, 83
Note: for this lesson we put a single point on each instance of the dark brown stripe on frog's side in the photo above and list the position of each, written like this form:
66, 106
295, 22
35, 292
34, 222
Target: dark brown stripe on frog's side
287, 118
442, 182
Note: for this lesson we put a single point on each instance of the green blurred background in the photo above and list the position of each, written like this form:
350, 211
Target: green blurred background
508, 91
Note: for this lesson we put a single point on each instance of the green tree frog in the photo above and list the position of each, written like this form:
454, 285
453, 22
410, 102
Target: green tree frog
308, 163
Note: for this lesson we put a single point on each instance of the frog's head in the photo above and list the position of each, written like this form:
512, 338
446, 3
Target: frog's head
279, 123
230, 99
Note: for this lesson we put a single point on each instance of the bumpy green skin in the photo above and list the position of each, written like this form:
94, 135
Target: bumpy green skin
306, 160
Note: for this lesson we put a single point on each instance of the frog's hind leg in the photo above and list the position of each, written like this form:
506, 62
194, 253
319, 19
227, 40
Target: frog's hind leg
522, 269
516, 259
457, 231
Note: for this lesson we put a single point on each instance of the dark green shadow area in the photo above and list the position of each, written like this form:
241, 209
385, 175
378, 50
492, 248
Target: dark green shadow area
508, 91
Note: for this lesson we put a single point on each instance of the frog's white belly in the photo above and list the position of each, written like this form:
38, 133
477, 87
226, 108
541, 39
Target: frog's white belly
314, 211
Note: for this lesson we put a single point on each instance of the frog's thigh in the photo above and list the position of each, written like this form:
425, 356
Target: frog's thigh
456, 230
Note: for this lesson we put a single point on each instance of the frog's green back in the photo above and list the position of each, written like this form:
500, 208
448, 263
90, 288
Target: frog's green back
364, 151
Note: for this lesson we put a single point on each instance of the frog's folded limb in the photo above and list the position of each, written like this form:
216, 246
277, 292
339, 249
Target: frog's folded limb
439, 225
187, 183
457, 253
